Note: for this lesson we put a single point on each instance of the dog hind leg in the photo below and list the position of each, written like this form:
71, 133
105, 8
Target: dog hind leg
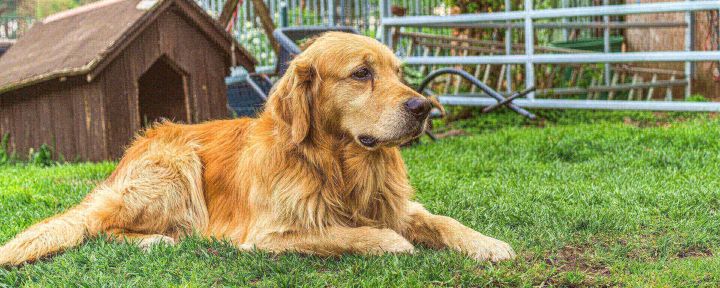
144, 241
158, 191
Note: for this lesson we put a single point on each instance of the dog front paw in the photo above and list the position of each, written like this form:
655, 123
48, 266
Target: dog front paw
392, 242
151, 241
483, 248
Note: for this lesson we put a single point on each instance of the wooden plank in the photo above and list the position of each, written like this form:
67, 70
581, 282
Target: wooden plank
4, 120
62, 125
97, 117
591, 95
423, 68
218, 90
668, 90
44, 124
30, 124
15, 122
476, 74
25, 132
651, 90
498, 87
613, 82
81, 126
631, 94
119, 90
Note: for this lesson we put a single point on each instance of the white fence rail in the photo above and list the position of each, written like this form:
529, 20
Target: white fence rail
530, 59
247, 28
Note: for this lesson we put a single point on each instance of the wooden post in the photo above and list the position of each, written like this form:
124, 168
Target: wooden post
227, 11
262, 11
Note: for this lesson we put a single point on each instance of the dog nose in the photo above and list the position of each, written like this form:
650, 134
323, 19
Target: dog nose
419, 107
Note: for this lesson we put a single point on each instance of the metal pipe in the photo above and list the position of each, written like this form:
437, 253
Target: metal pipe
664, 56
508, 100
462, 73
564, 4
384, 17
529, 49
508, 49
627, 9
689, 38
588, 104
559, 25
606, 45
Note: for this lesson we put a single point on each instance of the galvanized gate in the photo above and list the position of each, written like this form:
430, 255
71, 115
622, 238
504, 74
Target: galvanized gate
531, 59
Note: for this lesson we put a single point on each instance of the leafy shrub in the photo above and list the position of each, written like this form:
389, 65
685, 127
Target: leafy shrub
5, 156
42, 157
697, 98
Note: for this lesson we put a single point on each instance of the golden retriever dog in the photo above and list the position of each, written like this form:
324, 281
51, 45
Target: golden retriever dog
318, 172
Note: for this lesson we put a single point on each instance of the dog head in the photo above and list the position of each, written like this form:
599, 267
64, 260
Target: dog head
347, 85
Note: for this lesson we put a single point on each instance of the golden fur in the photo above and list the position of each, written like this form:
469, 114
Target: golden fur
298, 178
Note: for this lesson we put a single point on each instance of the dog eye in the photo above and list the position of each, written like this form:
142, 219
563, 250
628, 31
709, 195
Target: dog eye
362, 74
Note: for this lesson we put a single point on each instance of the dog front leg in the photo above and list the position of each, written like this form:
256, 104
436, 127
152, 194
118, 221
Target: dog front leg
334, 241
444, 232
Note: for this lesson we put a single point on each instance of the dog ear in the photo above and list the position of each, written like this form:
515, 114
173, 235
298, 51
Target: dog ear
291, 99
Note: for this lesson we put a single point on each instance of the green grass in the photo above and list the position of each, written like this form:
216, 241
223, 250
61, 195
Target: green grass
595, 199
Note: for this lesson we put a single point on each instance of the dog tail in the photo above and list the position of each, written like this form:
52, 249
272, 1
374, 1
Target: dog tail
50, 236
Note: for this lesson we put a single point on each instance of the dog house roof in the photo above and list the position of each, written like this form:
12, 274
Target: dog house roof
82, 41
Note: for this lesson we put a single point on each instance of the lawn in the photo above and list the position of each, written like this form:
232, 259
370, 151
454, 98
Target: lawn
586, 199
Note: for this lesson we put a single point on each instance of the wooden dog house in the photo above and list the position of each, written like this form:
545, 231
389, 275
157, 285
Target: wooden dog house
86, 80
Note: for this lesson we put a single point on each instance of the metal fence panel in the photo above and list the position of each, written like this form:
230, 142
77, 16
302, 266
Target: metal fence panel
525, 21
247, 29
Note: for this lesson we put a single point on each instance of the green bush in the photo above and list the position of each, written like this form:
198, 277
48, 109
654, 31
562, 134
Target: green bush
5, 156
42, 157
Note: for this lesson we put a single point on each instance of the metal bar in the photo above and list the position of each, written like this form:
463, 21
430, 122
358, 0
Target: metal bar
627, 9
489, 91
664, 56
508, 49
560, 25
564, 4
689, 38
593, 88
342, 13
507, 100
606, 44
529, 49
331, 11
385, 29
588, 104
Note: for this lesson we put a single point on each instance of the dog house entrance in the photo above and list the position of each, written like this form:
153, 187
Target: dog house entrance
162, 94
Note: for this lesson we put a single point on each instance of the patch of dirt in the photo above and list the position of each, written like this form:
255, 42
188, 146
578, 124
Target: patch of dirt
661, 122
573, 258
451, 133
695, 252
465, 113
